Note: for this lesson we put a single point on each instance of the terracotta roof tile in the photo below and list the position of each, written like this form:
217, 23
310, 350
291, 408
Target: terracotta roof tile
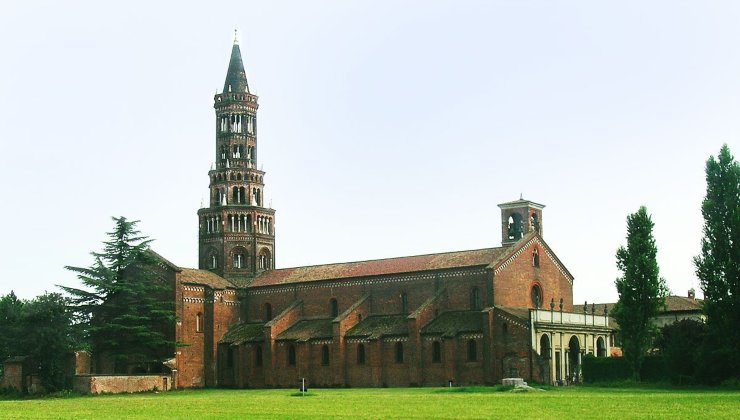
204, 277
244, 333
380, 267
672, 304
308, 329
379, 326
450, 324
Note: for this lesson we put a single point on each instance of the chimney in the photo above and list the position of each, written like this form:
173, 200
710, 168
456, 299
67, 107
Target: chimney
692, 294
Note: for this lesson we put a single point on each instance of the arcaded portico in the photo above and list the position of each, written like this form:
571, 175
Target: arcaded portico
563, 338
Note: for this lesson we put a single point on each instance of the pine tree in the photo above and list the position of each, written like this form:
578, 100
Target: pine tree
641, 290
718, 266
128, 310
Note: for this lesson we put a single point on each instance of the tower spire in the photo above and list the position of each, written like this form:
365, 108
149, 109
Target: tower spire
236, 77
236, 230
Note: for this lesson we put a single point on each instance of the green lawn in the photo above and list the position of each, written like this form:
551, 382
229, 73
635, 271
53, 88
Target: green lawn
420, 403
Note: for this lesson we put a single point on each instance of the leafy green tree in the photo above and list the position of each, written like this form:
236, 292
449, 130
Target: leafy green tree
128, 310
641, 289
679, 343
42, 329
49, 337
718, 266
10, 323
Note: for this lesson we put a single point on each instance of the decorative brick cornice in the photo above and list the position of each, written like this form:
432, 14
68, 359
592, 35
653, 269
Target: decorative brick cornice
395, 339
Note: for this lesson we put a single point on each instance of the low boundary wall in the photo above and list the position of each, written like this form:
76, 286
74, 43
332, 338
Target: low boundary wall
116, 384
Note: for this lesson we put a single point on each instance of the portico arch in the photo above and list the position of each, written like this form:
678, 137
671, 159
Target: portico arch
574, 359
600, 347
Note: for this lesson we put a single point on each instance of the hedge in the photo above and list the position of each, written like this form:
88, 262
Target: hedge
615, 369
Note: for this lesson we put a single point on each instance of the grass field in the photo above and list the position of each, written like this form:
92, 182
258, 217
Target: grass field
405, 403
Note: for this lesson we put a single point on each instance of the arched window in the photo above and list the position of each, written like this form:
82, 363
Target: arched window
404, 303
235, 195
535, 258
242, 195
258, 355
399, 352
475, 298
229, 356
214, 261
240, 258
334, 307
472, 351
199, 322
360, 354
267, 311
291, 355
436, 352
534, 222
325, 355
536, 296
516, 229
265, 259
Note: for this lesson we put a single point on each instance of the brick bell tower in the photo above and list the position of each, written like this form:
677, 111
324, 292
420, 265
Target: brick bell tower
236, 231
518, 218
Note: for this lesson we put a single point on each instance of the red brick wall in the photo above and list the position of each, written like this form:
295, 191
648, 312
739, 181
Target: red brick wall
511, 346
196, 360
498, 353
512, 284
116, 384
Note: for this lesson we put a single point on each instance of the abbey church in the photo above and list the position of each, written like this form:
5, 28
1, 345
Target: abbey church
470, 317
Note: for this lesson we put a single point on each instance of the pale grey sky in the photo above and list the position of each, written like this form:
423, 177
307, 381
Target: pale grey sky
386, 128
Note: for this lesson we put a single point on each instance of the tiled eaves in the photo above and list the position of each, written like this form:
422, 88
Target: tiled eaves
511, 318
359, 281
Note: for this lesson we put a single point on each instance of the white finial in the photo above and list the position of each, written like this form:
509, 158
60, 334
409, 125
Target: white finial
236, 36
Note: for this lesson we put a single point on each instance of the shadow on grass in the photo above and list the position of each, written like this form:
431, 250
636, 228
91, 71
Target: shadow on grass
303, 394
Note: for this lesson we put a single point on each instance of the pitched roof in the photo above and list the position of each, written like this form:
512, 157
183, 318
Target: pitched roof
253, 332
682, 303
379, 326
308, 329
163, 260
450, 324
521, 313
205, 278
672, 304
477, 257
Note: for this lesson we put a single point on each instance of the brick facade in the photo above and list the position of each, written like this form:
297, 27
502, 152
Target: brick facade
461, 316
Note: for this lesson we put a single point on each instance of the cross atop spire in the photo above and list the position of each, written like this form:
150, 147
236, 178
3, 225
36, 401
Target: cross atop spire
236, 36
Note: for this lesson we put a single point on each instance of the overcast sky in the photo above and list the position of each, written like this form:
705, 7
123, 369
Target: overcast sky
387, 128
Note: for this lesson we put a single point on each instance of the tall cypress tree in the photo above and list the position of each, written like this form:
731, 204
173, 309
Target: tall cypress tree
641, 290
129, 307
718, 266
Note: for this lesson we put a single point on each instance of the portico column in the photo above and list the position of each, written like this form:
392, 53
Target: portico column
552, 358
